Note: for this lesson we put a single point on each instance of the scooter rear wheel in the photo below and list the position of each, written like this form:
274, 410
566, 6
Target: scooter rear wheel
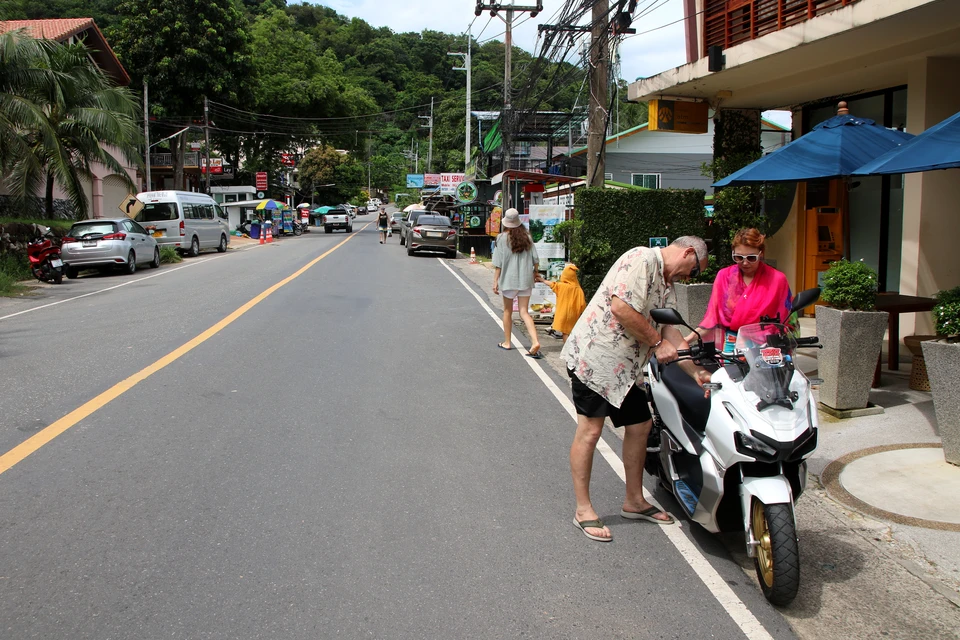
777, 559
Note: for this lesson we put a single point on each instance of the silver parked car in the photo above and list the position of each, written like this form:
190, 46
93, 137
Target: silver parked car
105, 243
432, 233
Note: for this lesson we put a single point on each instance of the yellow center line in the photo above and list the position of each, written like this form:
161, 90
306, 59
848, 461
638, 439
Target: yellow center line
25, 448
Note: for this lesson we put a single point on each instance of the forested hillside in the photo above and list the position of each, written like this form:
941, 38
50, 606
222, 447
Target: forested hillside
290, 77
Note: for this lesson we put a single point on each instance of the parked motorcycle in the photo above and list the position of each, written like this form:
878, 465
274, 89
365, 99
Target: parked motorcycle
44, 256
736, 461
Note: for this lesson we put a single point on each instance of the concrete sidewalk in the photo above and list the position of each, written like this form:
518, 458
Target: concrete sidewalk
879, 524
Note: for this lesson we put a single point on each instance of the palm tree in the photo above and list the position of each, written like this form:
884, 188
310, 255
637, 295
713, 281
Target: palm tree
21, 74
87, 119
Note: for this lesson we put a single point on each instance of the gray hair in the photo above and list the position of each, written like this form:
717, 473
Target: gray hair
693, 241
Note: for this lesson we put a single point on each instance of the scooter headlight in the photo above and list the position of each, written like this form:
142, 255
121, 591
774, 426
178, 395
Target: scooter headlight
748, 445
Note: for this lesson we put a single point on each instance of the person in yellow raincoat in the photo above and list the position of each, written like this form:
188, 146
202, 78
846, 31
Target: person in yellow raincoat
570, 300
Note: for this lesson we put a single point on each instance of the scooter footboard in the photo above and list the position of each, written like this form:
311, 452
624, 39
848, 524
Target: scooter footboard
769, 490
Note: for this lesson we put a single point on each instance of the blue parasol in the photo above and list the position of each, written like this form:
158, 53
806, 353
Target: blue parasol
834, 148
936, 148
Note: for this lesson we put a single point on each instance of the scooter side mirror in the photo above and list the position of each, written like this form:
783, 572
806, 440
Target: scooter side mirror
805, 299
666, 316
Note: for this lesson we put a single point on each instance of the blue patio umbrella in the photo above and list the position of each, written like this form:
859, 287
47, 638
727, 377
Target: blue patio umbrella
834, 148
936, 148
322, 209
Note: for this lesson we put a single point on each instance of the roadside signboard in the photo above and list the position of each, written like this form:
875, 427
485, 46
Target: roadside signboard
130, 206
449, 182
678, 116
431, 179
261, 181
414, 181
216, 165
466, 192
658, 242
287, 160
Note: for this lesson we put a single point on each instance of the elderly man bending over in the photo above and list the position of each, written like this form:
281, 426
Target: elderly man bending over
605, 355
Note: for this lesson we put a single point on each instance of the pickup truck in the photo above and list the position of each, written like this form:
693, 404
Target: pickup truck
337, 219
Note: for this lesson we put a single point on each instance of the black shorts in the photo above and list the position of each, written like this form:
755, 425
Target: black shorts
634, 410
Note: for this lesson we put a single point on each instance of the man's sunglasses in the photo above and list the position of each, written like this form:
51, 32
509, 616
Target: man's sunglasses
751, 258
695, 271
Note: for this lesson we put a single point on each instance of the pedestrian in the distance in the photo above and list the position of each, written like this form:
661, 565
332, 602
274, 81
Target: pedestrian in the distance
383, 221
515, 262
570, 300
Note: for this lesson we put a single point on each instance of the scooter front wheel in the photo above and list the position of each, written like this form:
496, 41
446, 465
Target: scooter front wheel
777, 558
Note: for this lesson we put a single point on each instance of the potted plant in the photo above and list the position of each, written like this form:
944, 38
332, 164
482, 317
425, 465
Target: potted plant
693, 296
942, 358
851, 331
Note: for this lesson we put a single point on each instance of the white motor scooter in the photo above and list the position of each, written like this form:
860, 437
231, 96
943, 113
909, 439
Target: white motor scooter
736, 461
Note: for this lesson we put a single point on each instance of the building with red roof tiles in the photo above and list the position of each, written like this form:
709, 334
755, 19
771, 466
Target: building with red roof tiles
71, 30
107, 189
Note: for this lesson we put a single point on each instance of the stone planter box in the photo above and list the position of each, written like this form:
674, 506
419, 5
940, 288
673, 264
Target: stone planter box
943, 363
692, 301
851, 346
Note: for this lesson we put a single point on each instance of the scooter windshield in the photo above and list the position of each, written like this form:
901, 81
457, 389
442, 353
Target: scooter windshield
769, 382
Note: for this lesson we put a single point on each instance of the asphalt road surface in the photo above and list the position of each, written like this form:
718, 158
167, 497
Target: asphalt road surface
315, 438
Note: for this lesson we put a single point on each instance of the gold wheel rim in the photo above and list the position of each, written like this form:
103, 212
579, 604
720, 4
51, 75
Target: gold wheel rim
764, 551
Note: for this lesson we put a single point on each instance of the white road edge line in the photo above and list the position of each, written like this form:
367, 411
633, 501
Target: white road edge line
117, 286
735, 608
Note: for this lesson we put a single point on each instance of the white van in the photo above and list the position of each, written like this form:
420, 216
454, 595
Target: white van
185, 220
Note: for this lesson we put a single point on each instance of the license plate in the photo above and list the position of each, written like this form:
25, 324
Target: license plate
57, 263
89, 243
158, 234
432, 234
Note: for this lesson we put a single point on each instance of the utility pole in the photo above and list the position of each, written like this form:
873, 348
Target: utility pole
596, 133
599, 29
206, 138
429, 120
146, 131
506, 117
467, 65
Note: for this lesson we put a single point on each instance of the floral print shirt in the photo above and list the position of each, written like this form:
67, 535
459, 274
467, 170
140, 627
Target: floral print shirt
601, 353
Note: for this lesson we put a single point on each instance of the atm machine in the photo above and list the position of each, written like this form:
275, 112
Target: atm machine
824, 243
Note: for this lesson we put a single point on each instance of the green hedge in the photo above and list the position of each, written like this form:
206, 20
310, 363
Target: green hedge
611, 221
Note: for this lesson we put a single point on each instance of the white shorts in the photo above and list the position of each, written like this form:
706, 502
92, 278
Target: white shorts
513, 293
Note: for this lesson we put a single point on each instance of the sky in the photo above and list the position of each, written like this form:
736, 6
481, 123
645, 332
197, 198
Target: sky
641, 55
658, 45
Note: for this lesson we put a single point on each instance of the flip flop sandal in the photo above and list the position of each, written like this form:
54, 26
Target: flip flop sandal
647, 514
583, 524
500, 345
535, 356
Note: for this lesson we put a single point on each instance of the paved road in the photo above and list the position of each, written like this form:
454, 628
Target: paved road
348, 455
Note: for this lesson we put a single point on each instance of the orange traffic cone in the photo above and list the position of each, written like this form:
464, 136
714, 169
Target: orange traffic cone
263, 233
269, 232
473, 256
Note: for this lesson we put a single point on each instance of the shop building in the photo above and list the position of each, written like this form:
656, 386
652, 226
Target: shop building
893, 61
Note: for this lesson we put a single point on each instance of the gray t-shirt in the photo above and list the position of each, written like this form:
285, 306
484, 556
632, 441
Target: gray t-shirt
516, 269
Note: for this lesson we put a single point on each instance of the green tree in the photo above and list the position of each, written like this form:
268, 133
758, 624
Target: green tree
186, 50
319, 166
86, 120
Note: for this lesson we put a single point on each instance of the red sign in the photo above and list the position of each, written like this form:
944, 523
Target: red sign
286, 159
261, 180
216, 165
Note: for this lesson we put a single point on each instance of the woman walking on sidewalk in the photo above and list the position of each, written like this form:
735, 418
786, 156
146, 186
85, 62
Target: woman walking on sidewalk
515, 262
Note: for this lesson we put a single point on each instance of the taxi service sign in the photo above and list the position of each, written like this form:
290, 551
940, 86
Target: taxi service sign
678, 116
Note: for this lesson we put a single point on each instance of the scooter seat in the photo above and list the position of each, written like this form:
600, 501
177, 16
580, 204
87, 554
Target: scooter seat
694, 408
